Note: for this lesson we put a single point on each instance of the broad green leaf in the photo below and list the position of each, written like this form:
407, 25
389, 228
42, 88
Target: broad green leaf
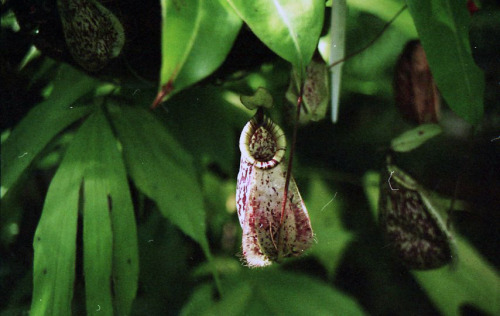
196, 38
414, 138
161, 168
324, 208
274, 292
443, 28
290, 28
470, 280
43, 123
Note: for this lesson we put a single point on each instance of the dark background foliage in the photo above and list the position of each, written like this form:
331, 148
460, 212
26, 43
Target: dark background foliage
181, 162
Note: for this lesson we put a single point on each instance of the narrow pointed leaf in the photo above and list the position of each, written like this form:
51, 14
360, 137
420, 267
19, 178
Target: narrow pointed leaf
161, 168
443, 27
110, 237
97, 235
337, 51
290, 28
43, 123
55, 237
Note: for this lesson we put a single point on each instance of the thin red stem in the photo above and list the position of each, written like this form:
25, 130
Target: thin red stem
292, 150
359, 51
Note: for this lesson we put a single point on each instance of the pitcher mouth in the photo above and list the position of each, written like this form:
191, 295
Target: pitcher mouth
262, 144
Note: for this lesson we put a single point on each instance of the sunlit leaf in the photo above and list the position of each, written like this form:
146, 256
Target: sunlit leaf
95, 139
443, 28
109, 230
196, 38
290, 28
43, 123
55, 238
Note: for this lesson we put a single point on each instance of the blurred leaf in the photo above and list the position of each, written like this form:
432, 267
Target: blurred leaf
261, 98
274, 292
196, 38
470, 280
199, 301
290, 28
324, 208
414, 138
43, 123
161, 168
443, 27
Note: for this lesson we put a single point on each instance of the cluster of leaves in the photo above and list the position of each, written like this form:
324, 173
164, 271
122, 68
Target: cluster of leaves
107, 157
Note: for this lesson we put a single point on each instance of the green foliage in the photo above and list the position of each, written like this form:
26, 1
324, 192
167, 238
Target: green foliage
289, 28
272, 292
132, 211
196, 39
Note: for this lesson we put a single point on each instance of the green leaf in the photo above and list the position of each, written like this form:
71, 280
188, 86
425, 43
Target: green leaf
196, 38
472, 281
261, 98
109, 242
443, 27
325, 208
414, 138
274, 292
55, 243
94, 137
161, 168
55, 237
107, 205
43, 123
337, 51
290, 28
